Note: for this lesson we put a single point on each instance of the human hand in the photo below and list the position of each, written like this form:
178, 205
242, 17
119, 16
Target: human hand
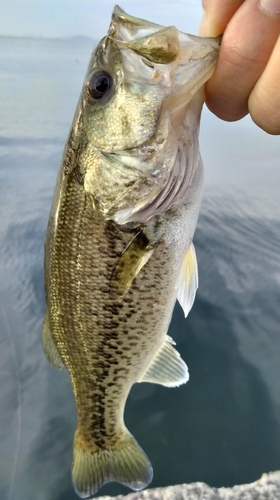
247, 76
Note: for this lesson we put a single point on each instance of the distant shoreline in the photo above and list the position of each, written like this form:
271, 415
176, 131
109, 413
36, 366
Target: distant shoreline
39, 37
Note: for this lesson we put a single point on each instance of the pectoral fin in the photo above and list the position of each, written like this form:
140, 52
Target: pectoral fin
50, 348
133, 259
167, 367
188, 280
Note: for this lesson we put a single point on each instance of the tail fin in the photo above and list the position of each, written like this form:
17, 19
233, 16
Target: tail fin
125, 463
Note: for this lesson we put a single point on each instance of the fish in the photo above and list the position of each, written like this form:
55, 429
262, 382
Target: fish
118, 247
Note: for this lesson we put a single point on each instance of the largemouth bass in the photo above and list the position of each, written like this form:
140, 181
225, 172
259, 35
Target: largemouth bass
119, 246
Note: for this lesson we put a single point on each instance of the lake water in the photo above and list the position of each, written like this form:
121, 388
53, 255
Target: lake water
223, 427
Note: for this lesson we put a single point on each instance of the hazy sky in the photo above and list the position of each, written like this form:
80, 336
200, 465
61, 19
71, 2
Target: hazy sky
62, 18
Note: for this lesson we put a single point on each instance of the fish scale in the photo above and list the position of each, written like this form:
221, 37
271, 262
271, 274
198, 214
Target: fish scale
124, 319
119, 247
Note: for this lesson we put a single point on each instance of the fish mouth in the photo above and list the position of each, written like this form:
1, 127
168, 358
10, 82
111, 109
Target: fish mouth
127, 27
179, 62
158, 44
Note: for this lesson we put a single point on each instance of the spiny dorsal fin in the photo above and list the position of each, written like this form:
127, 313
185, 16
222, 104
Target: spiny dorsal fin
50, 348
167, 367
133, 259
188, 280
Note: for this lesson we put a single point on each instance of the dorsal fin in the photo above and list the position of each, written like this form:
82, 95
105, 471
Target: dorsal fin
188, 280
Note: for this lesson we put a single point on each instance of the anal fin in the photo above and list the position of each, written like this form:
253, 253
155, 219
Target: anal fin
133, 259
50, 348
188, 280
167, 367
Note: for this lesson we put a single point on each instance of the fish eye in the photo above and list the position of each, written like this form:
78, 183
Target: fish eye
99, 84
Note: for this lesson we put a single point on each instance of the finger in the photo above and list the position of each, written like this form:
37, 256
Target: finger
246, 47
217, 14
264, 101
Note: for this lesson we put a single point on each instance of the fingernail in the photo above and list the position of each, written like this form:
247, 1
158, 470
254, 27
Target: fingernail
270, 7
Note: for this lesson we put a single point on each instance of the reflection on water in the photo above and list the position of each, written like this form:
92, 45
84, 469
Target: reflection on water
223, 427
